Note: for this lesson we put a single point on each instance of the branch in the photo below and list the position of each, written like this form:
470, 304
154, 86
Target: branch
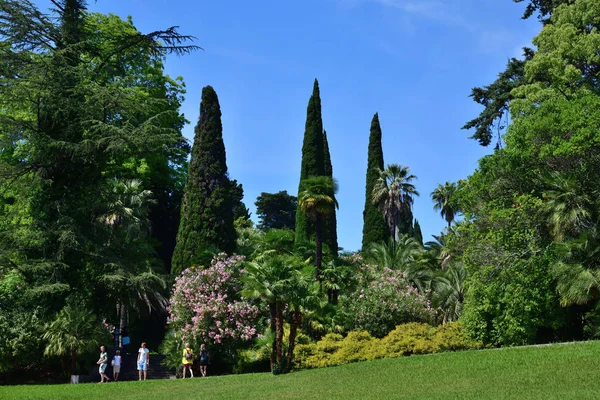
173, 44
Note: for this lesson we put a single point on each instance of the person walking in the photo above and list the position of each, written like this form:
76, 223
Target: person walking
187, 360
143, 360
203, 359
103, 362
116, 364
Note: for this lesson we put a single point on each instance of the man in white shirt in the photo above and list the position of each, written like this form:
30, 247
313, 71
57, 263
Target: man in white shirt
143, 360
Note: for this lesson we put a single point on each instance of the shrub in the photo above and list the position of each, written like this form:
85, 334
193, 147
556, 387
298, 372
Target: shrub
252, 361
206, 308
406, 339
383, 299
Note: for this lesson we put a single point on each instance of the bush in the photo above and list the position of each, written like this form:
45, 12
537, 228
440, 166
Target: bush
253, 361
383, 299
406, 339
206, 308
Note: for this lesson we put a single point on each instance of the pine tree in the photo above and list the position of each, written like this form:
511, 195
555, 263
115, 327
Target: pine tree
207, 210
312, 158
374, 227
330, 226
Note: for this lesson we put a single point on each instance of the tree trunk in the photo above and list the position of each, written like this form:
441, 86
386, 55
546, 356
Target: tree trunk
279, 333
394, 237
122, 323
332, 296
319, 245
296, 319
272, 318
73, 361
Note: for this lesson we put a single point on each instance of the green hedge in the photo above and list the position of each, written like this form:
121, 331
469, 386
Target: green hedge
406, 339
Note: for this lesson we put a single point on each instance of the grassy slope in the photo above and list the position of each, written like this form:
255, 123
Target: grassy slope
552, 372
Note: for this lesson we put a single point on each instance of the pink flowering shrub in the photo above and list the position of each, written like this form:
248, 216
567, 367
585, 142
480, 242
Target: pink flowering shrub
206, 308
382, 299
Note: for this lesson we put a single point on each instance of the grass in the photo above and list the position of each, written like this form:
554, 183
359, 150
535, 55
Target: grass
566, 371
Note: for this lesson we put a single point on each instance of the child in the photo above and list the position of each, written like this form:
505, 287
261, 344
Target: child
187, 360
103, 362
116, 363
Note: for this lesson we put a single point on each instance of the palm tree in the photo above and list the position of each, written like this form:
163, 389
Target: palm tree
574, 214
407, 256
336, 274
449, 291
248, 240
407, 251
276, 281
570, 209
393, 194
442, 197
437, 251
317, 199
126, 204
303, 296
130, 278
577, 268
74, 331
271, 243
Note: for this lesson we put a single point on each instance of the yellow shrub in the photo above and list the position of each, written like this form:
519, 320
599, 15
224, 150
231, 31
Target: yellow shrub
452, 337
406, 339
357, 346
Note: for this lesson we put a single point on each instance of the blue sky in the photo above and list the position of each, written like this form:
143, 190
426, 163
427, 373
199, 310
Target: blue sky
413, 61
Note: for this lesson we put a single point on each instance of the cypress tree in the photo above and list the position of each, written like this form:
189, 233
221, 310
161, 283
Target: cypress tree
330, 226
374, 227
417, 232
207, 209
405, 225
312, 158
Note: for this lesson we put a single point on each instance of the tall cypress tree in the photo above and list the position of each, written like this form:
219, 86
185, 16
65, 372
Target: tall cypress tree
405, 225
207, 209
312, 158
330, 226
417, 232
374, 227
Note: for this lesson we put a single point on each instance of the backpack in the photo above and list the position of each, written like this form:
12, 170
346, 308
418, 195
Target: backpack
188, 355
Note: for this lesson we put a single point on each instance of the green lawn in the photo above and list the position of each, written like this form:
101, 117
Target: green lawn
570, 371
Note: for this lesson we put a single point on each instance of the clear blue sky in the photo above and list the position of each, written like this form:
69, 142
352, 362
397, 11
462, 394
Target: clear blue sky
413, 61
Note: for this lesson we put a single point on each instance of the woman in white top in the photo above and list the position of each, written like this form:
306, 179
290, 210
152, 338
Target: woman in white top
116, 364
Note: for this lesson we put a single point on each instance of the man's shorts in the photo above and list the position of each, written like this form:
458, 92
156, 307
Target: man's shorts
116, 369
142, 366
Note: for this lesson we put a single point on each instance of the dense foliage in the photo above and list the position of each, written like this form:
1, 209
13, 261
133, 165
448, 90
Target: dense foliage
207, 210
404, 340
276, 210
90, 160
98, 202
313, 163
529, 239
383, 299
206, 308
374, 227
330, 222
